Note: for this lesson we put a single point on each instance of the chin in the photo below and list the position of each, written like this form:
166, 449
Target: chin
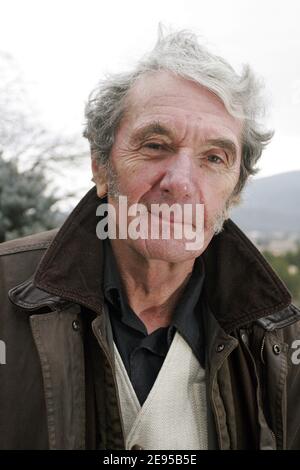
171, 251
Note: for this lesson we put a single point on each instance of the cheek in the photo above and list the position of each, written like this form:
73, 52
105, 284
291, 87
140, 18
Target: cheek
135, 176
217, 193
134, 181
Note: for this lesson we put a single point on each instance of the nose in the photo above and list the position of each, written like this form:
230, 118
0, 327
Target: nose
177, 181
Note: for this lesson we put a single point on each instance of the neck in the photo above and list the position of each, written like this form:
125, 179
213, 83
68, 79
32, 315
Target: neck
152, 287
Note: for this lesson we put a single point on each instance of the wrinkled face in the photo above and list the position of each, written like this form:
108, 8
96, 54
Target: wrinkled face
176, 144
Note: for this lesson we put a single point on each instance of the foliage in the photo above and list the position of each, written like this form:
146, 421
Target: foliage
24, 206
287, 266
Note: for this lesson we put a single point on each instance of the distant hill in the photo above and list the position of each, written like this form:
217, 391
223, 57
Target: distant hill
271, 204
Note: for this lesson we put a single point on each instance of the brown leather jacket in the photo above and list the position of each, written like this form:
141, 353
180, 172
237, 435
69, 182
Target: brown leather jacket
253, 335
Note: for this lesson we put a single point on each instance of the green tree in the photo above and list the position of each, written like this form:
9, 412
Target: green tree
287, 266
24, 206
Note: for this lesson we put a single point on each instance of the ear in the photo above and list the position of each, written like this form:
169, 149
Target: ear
99, 177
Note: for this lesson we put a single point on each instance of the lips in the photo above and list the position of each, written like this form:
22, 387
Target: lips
177, 216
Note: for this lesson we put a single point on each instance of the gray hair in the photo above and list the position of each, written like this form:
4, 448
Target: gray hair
180, 53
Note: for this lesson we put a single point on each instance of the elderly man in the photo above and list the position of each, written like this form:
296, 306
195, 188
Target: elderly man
137, 342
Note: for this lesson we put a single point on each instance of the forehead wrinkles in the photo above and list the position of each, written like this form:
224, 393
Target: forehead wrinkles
208, 115
184, 105
193, 104
163, 87
199, 114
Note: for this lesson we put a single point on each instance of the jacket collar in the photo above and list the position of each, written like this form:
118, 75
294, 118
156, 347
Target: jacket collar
240, 286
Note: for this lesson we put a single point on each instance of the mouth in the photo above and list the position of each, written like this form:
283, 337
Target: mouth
171, 219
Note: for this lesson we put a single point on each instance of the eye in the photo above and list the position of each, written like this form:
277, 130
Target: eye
216, 159
153, 146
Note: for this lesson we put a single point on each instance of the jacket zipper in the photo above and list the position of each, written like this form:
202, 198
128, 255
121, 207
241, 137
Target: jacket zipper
257, 378
274, 438
262, 350
213, 401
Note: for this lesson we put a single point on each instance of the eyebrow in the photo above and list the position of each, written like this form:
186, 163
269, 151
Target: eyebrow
156, 128
225, 144
152, 129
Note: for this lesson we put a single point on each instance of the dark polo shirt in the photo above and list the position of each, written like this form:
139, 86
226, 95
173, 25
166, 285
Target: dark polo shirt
143, 354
